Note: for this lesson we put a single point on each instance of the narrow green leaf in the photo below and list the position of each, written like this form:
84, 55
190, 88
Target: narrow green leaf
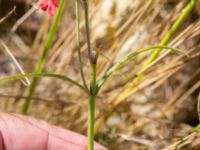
33, 75
124, 60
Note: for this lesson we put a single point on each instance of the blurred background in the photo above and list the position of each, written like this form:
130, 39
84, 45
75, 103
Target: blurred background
157, 113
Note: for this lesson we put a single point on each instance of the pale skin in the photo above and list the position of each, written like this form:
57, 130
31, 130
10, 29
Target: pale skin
18, 132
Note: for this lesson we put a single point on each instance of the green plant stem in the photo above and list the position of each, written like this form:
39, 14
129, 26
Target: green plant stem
91, 107
196, 128
93, 86
44, 54
30, 75
124, 60
91, 116
170, 33
85, 2
78, 39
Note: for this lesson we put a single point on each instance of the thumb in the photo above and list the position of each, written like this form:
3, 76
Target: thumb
18, 132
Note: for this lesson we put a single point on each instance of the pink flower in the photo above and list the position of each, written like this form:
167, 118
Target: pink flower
49, 5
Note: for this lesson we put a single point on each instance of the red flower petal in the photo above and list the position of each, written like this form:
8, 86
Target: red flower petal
49, 5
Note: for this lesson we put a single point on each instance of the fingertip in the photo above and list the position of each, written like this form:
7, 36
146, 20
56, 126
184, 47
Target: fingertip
1, 142
14, 125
